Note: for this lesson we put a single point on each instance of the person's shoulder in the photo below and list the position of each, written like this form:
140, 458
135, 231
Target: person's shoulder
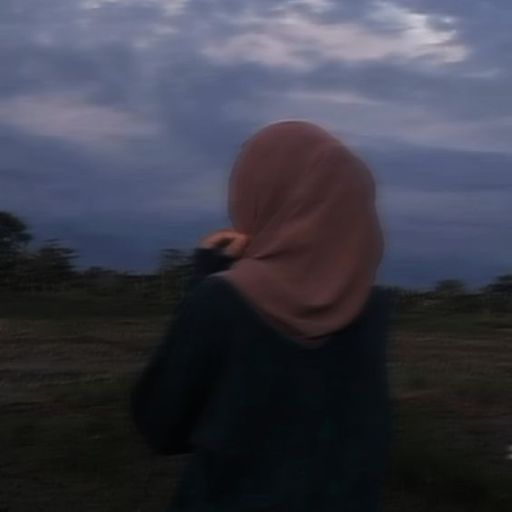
383, 294
380, 305
211, 288
377, 304
212, 301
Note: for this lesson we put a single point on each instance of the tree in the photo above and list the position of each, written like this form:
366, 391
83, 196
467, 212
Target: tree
450, 287
13, 232
451, 296
502, 285
498, 294
173, 271
99, 279
52, 265
14, 240
172, 259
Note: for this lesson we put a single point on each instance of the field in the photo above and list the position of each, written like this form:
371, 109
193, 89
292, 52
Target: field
66, 442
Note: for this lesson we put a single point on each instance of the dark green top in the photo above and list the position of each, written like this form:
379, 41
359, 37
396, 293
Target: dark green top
271, 426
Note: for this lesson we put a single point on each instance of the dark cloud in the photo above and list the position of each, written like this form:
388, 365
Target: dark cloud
119, 195
442, 170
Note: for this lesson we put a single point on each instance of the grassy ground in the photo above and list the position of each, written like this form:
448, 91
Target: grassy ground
66, 442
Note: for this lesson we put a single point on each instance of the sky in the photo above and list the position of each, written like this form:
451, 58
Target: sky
119, 119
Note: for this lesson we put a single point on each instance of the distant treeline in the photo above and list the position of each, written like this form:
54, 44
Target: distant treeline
51, 267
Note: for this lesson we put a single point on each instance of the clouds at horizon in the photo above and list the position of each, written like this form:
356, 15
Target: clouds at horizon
119, 118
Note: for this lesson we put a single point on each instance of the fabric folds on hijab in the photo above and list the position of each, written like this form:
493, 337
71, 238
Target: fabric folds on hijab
308, 206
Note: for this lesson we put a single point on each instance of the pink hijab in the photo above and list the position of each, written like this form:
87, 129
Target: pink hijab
308, 206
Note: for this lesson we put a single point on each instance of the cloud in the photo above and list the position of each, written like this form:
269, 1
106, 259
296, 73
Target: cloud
291, 39
120, 118
71, 118
315, 6
449, 208
169, 7
364, 119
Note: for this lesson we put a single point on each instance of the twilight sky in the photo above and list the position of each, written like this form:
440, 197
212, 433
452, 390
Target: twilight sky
119, 119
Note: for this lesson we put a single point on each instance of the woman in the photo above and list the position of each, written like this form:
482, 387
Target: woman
273, 371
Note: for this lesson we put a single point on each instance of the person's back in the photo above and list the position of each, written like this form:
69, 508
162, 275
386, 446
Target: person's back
274, 422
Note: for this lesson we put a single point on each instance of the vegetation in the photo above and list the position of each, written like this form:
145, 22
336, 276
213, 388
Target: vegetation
72, 342
51, 267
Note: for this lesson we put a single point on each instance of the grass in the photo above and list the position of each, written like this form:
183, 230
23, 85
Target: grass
447, 462
78, 451
67, 443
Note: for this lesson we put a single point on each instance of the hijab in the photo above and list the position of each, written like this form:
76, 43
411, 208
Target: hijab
307, 204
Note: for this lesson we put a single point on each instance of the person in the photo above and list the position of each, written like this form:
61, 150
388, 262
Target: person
272, 374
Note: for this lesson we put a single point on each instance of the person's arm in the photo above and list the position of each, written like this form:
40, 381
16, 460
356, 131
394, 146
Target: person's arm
173, 390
